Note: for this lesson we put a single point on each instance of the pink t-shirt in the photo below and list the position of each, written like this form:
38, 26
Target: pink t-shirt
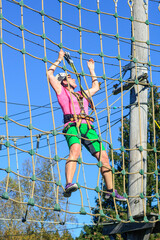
65, 102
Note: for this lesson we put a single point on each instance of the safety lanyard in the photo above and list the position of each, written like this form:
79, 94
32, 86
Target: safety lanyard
80, 102
70, 62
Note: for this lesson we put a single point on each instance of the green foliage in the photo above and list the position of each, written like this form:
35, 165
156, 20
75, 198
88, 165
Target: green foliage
153, 142
15, 234
66, 235
92, 232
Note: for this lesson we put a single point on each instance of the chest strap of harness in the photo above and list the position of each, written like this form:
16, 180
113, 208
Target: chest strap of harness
82, 114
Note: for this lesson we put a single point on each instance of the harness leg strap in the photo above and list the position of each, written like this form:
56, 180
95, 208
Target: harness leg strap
88, 123
79, 122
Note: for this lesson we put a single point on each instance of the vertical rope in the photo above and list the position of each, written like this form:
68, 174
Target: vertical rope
106, 92
56, 154
17, 164
28, 97
6, 104
120, 66
85, 184
51, 163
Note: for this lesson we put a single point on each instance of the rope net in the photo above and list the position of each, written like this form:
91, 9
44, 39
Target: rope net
33, 147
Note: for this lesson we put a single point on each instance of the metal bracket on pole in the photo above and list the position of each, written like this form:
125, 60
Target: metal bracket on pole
131, 65
127, 86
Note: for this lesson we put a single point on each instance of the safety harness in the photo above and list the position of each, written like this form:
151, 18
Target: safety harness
81, 116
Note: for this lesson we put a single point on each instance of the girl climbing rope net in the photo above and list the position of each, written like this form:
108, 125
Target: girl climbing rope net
77, 121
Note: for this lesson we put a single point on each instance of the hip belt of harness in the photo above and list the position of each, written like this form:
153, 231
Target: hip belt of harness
72, 117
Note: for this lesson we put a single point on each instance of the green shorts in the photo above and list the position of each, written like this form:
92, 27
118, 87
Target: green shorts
92, 146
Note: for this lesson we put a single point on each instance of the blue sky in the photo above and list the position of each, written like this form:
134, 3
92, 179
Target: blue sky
36, 73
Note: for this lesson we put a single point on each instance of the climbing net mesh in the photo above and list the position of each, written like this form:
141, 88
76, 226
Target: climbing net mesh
33, 147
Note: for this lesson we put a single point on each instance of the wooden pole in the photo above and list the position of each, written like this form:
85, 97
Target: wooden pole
138, 111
